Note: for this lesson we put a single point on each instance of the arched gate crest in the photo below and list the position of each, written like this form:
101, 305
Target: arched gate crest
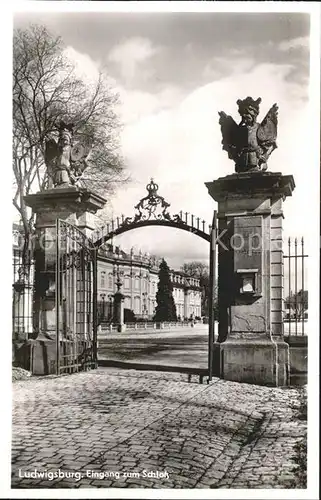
152, 210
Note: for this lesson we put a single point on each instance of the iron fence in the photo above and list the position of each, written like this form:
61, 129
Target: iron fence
22, 293
54, 296
295, 289
104, 310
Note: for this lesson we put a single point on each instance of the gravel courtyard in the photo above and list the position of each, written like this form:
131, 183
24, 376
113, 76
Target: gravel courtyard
141, 429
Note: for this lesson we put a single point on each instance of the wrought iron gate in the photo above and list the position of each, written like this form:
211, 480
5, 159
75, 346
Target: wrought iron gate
211, 317
76, 300
295, 306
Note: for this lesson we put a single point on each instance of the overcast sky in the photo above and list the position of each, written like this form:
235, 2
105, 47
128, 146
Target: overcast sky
174, 72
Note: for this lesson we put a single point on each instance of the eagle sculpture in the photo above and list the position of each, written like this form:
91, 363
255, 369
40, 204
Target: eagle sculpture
249, 143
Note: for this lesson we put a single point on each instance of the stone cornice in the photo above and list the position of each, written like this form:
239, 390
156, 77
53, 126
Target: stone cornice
254, 184
79, 199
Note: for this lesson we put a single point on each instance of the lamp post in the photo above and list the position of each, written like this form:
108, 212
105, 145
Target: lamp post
145, 310
119, 303
118, 273
110, 307
102, 312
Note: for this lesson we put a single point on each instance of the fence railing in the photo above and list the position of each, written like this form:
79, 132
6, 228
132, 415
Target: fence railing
145, 326
295, 289
22, 294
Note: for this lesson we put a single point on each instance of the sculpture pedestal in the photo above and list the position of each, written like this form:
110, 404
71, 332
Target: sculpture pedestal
250, 344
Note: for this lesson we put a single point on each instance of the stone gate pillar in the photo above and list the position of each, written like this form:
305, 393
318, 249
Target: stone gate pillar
76, 206
250, 277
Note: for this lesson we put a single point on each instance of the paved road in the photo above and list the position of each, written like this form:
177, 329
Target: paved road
181, 347
177, 349
140, 429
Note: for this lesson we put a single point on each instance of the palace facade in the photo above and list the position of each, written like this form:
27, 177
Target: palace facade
138, 274
139, 277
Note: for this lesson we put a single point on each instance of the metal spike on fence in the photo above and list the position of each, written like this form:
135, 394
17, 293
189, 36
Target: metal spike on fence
198, 222
296, 303
192, 217
203, 223
117, 221
122, 218
181, 214
186, 214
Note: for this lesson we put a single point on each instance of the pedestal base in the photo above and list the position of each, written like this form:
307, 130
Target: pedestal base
261, 362
36, 356
39, 356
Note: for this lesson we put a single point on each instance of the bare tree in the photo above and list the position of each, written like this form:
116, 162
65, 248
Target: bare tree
297, 304
46, 89
200, 270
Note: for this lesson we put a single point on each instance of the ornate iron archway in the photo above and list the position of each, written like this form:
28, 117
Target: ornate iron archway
152, 210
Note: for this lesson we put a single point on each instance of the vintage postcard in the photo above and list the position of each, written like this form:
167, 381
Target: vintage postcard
164, 242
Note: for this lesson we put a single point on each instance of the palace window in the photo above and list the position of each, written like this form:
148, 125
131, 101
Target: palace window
137, 305
102, 279
110, 281
136, 283
126, 282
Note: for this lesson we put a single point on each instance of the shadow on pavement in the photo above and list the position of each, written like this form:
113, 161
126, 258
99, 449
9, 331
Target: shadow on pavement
152, 367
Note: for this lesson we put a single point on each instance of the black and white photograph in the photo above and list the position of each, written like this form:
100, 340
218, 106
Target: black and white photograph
164, 245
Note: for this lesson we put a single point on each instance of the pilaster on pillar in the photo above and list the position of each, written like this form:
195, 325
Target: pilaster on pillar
250, 276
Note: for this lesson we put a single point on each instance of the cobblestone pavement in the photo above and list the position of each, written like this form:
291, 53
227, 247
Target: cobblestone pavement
109, 423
